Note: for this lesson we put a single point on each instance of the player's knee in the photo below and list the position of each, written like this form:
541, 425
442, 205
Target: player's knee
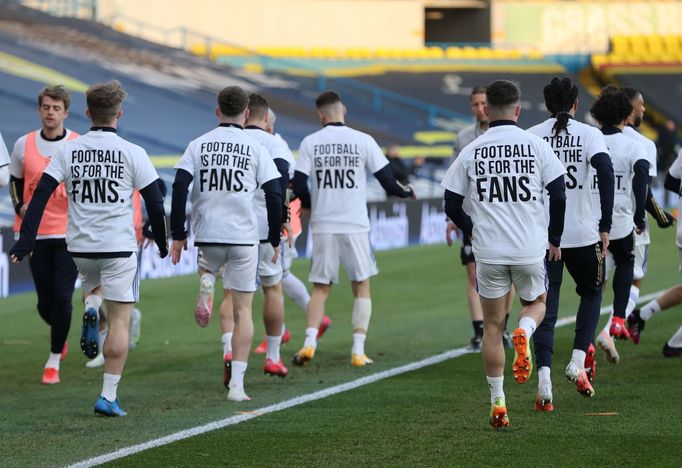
541, 299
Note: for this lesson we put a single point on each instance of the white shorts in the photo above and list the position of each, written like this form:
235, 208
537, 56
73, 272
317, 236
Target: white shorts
240, 263
351, 250
118, 278
495, 281
289, 254
641, 258
269, 273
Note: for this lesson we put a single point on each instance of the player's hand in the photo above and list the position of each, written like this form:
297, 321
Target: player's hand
667, 222
276, 256
604, 237
288, 233
554, 253
450, 229
22, 210
176, 250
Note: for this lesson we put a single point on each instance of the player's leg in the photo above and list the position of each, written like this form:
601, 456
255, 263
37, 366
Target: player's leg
227, 329
509, 303
90, 275
494, 283
641, 261
624, 258
211, 259
639, 317
296, 290
543, 339
473, 300
273, 318
673, 347
586, 266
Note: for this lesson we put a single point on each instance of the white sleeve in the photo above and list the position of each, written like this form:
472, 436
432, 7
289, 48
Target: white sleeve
595, 144
186, 162
550, 166
144, 172
304, 161
456, 179
652, 156
638, 152
376, 159
56, 168
266, 170
16, 164
4, 175
675, 169
4, 155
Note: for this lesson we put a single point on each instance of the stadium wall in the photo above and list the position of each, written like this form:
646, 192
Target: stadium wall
394, 224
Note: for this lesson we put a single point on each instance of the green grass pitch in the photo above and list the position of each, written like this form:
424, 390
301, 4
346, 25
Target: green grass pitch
436, 416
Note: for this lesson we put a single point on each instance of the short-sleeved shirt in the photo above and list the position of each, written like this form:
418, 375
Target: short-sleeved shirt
4, 156
47, 148
507, 170
675, 170
464, 137
337, 159
100, 170
625, 152
575, 147
276, 149
651, 154
228, 167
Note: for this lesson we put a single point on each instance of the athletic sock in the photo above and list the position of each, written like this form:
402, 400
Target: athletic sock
272, 348
296, 290
675, 341
478, 327
93, 301
632, 300
53, 361
544, 376
648, 310
310, 337
238, 371
359, 343
227, 343
102, 335
109, 386
528, 325
496, 385
578, 357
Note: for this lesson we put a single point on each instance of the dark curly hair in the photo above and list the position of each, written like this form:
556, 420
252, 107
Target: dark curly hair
611, 107
560, 95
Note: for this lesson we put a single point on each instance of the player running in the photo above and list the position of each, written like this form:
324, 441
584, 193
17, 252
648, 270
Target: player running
100, 170
584, 242
464, 137
336, 159
505, 171
227, 167
54, 273
631, 168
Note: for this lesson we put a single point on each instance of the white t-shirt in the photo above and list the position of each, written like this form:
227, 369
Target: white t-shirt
508, 170
644, 238
337, 159
4, 156
276, 149
47, 148
575, 149
625, 152
675, 170
100, 170
228, 167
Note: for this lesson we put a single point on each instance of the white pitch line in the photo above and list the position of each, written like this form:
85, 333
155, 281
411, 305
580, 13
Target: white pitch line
300, 400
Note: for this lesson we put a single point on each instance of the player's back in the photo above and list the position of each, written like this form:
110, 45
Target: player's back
337, 159
100, 171
228, 166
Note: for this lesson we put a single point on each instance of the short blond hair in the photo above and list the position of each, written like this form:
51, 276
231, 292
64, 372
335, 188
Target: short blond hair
104, 101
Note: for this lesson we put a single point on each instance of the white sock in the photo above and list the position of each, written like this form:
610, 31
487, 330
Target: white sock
676, 340
284, 328
272, 348
295, 289
53, 361
496, 385
529, 325
632, 300
208, 277
238, 371
93, 301
544, 376
578, 358
311, 337
109, 386
648, 310
227, 343
102, 337
359, 343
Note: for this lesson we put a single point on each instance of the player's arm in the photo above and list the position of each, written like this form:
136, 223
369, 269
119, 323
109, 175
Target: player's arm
178, 204
640, 184
662, 217
34, 213
454, 208
16, 190
273, 203
300, 187
672, 183
557, 209
153, 201
602, 164
390, 184
283, 168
